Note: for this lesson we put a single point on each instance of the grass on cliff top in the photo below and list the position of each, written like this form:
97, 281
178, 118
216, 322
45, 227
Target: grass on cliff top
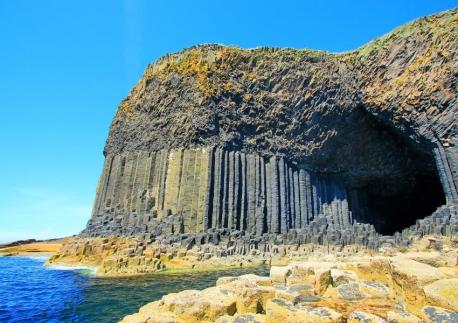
202, 63
443, 23
205, 64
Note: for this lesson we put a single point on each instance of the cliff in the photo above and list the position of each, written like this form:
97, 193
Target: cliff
291, 145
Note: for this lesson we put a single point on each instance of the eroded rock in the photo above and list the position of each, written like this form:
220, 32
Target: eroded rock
444, 293
351, 294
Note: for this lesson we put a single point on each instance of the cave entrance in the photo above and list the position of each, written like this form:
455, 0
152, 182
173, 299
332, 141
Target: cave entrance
390, 213
407, 186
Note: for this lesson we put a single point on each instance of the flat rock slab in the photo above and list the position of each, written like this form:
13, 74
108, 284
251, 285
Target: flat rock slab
402, 317
418, 271
360, 290
444, 292
364, 317
439, 315
279, 310
279, 274
376, 289
245, 318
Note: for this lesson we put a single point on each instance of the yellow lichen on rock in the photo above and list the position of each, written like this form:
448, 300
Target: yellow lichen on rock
443, 292
396, 288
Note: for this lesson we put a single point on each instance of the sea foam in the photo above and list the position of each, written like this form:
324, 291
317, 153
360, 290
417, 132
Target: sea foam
84, 269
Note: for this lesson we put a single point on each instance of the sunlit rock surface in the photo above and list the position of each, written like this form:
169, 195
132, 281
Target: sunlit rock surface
289, 145
359, 288
225, 157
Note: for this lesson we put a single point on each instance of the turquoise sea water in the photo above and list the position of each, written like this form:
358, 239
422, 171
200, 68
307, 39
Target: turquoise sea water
30, 292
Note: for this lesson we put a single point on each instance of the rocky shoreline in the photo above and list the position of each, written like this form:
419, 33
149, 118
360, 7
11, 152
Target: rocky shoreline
124, 256
417, 285
164, 249
32, 247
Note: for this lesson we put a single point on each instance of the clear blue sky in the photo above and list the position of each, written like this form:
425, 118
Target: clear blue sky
65, 66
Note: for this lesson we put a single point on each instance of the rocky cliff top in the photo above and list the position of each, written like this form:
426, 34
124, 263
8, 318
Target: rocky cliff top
336, 113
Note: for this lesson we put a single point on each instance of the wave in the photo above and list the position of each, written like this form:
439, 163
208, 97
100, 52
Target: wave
82, 269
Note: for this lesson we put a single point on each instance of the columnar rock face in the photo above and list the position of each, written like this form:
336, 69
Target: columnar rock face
216, 188
336, 147
447, 167
208, 190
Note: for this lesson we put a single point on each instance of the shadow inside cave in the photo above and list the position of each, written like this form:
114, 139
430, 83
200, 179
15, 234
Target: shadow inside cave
393, 213
409, 191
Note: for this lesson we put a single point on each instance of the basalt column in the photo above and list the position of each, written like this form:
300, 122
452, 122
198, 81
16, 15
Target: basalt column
213, 189
447, 177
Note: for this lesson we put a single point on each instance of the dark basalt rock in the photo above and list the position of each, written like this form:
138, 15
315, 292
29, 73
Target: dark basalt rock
282, 146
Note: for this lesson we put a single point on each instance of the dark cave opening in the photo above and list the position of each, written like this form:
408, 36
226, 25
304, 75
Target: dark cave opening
409, 191
393, 213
